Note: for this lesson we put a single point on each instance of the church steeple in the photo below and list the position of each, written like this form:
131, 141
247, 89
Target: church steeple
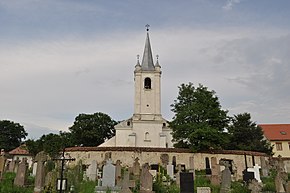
147, 61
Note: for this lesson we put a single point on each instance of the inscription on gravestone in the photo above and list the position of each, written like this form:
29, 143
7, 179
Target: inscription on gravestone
186, 182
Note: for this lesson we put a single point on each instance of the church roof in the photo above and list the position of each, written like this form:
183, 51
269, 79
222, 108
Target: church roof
279, 132
147, 61
21, 150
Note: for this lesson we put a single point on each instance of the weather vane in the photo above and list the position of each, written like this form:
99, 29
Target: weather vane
147, 27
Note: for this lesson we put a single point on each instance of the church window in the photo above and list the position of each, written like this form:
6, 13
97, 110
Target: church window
147, 83
147, 136
128, 123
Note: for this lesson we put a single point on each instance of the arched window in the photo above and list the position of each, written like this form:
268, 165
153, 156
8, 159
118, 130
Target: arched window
147, 83
146, 136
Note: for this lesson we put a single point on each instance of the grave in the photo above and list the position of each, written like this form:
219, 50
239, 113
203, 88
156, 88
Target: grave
40, 158
126, 183
21, 173
215, 172
256, 171
92, 171
255, 186
170, 171
136, 167
109, 171
186, 182
2, 165
118, 173
264, 167
203, 190
146, 180
226, 177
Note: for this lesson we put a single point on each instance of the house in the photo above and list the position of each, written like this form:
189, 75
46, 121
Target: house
279, 137
21, 152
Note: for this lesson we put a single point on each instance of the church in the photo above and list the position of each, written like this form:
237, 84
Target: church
146, 128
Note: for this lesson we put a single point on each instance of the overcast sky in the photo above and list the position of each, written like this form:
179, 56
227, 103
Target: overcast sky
60, 58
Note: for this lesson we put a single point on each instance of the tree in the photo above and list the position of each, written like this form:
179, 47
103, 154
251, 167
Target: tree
92, 129
246, 135
11, 135
199, 121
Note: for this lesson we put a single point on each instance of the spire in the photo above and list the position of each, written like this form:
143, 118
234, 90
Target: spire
147, 61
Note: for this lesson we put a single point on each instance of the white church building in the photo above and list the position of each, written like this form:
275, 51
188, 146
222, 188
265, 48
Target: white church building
146, 128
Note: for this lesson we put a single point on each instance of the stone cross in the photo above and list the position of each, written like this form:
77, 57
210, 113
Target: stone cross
21, 173
126, 183
256, 171
92, 171
118, 174
136, 167
40, 158
215, 172
226, 177
146, 180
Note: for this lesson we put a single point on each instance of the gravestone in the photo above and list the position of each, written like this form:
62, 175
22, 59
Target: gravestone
191, 164
12, 166
21, 173
136, 167
264, 167
170, 171
40, 158
16, 164
118, 174
92, 171
256, 171
146, 180
109, 170
164, 159
226, 177
34, 168
255, 186
179, 169
215, 172
2, 165
203, 190
186, 182
126, 183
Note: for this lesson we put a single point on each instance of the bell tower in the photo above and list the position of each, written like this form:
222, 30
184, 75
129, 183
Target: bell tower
147, 86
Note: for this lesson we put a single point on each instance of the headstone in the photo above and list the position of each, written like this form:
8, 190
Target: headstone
126, 183
226, 177
256, 171
146, 180
264, 167
109, 170
34, 168
203, 190
215, 172
40, 158
136, 167
21, 173
255, 186
16, 164
170, 171
12, 166
191, 164
2, 165
186, 182
179, 169
92, 171
164, 159
118, 174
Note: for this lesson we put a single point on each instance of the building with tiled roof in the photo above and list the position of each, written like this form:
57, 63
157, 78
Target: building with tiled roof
21, 152
279, 137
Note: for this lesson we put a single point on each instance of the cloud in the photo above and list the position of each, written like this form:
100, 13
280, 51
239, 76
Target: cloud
230, 4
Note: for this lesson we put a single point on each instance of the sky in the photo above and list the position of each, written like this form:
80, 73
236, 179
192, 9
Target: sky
60, 58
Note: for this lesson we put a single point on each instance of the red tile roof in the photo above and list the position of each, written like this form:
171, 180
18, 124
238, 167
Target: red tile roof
279, 132
21, 150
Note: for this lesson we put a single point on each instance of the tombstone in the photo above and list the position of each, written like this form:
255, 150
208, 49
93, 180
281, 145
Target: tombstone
191, 165
21, 173
136, 167
2, 165
186, 182
179, 169
146, 180
92, 171
281, 177
164, 159
256, 171
215, 172
126, 183
12, 166
34, 168
40, 158
207, 166
118, 173
16, 165
170, 171
255, 186
203, 190
109, 171
226, 177
108, 156
264, 167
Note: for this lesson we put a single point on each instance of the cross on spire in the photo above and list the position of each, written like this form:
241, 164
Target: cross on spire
147, 27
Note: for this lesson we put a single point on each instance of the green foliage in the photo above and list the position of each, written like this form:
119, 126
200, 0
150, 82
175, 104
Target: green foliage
246, 135
238, 187
92, 129
11, 135
6, 185
87, 187
199, 121
202, 181
161, 184
269, 182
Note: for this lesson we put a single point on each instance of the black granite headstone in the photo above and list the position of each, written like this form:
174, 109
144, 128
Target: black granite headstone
247, 176
186, 182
